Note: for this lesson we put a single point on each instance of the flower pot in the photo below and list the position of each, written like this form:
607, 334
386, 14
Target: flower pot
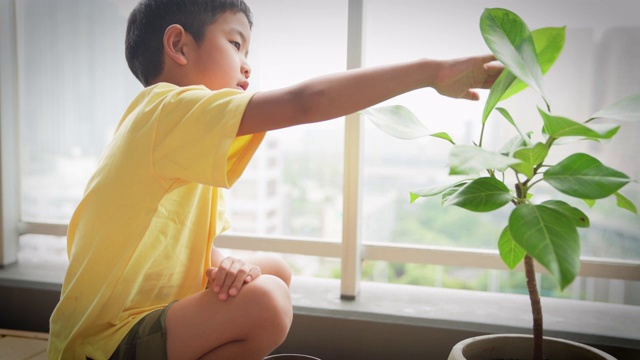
290, 357
519, 347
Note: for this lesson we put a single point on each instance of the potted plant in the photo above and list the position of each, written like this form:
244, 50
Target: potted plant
543, 232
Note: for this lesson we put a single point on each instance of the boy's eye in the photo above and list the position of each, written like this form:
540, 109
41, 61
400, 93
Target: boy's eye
235, 44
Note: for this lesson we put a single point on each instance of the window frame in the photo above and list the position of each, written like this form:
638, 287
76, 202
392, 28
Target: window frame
351, 250
9, 146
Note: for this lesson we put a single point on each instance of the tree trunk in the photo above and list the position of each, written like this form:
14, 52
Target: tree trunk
536, 307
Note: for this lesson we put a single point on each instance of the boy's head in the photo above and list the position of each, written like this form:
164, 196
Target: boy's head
144, 44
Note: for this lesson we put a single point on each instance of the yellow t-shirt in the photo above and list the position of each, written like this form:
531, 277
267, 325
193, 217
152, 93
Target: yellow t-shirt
141, 236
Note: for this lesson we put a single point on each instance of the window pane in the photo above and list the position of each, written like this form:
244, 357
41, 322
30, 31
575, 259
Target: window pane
597, 66
74, 87
296, 175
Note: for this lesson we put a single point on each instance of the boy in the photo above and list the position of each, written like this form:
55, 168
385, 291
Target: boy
144, 279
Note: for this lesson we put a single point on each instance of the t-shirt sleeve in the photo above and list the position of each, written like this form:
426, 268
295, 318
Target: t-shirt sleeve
196, 136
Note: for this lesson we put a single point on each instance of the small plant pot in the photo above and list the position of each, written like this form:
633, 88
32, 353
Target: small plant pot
519, 347
290, 357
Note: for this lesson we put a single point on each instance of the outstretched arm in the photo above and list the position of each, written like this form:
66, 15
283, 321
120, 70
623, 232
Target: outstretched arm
340, 94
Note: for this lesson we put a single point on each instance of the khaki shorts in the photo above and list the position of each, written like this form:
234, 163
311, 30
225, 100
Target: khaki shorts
147, 339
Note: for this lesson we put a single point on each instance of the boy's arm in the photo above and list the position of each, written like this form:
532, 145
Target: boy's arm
332, 96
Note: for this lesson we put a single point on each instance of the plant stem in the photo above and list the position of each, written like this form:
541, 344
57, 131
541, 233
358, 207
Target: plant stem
536, 307
481, 135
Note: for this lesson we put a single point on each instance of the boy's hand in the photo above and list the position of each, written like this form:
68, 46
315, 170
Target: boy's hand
229, 277
457, 78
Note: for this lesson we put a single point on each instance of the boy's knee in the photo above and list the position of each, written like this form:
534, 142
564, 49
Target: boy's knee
276, 312
282, 269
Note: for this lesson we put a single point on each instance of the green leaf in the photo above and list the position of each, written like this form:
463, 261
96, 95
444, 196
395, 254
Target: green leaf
558, 126
444, 136
531, 157
498, 89
466, 159
512, 146
434, 190
578, 218
400, 122
590, 202
625, 109
511, 42
481, 195
510, 252
548, 43
583, 176
451, 191
550, 237
397, 121
507, 116
625, 203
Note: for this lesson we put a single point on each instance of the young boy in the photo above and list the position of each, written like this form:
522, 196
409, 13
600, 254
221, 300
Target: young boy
144, 279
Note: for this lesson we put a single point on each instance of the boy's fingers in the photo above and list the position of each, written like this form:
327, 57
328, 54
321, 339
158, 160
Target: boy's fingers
254, 272
230, 279
211, 275
221, 274
239, 280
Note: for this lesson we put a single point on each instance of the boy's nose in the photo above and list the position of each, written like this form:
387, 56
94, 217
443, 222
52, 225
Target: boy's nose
246, 70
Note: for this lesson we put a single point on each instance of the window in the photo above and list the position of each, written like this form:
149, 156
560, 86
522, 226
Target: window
296, 196
597, 67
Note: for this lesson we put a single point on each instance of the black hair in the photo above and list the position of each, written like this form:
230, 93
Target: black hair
150, 18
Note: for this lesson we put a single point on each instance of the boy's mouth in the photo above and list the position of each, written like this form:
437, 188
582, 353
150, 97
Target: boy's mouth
244, 85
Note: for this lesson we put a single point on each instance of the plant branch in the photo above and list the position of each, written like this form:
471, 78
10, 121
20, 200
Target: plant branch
536, 307
529, 186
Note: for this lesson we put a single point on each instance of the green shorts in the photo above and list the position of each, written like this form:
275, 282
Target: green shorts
147, 339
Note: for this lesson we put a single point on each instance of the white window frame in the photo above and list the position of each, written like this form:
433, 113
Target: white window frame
351, 250
9, 135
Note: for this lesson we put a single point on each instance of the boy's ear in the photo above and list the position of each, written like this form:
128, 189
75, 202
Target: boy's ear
174, 40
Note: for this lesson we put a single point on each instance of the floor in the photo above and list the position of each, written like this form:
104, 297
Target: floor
22, 345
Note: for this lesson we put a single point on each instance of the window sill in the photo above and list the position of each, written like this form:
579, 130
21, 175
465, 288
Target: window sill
581, 321
468, 311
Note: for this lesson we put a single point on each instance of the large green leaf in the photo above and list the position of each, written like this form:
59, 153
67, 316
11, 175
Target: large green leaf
397, 121
511, 42
400, 122
433, 190
585, 177
466, 159
548, 43
578, 218
550, 237
625, 109
451, 191
512, 145
510, 252
558, 126
481, 195
530, 156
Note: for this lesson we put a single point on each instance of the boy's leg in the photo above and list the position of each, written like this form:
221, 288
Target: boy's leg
247, 326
